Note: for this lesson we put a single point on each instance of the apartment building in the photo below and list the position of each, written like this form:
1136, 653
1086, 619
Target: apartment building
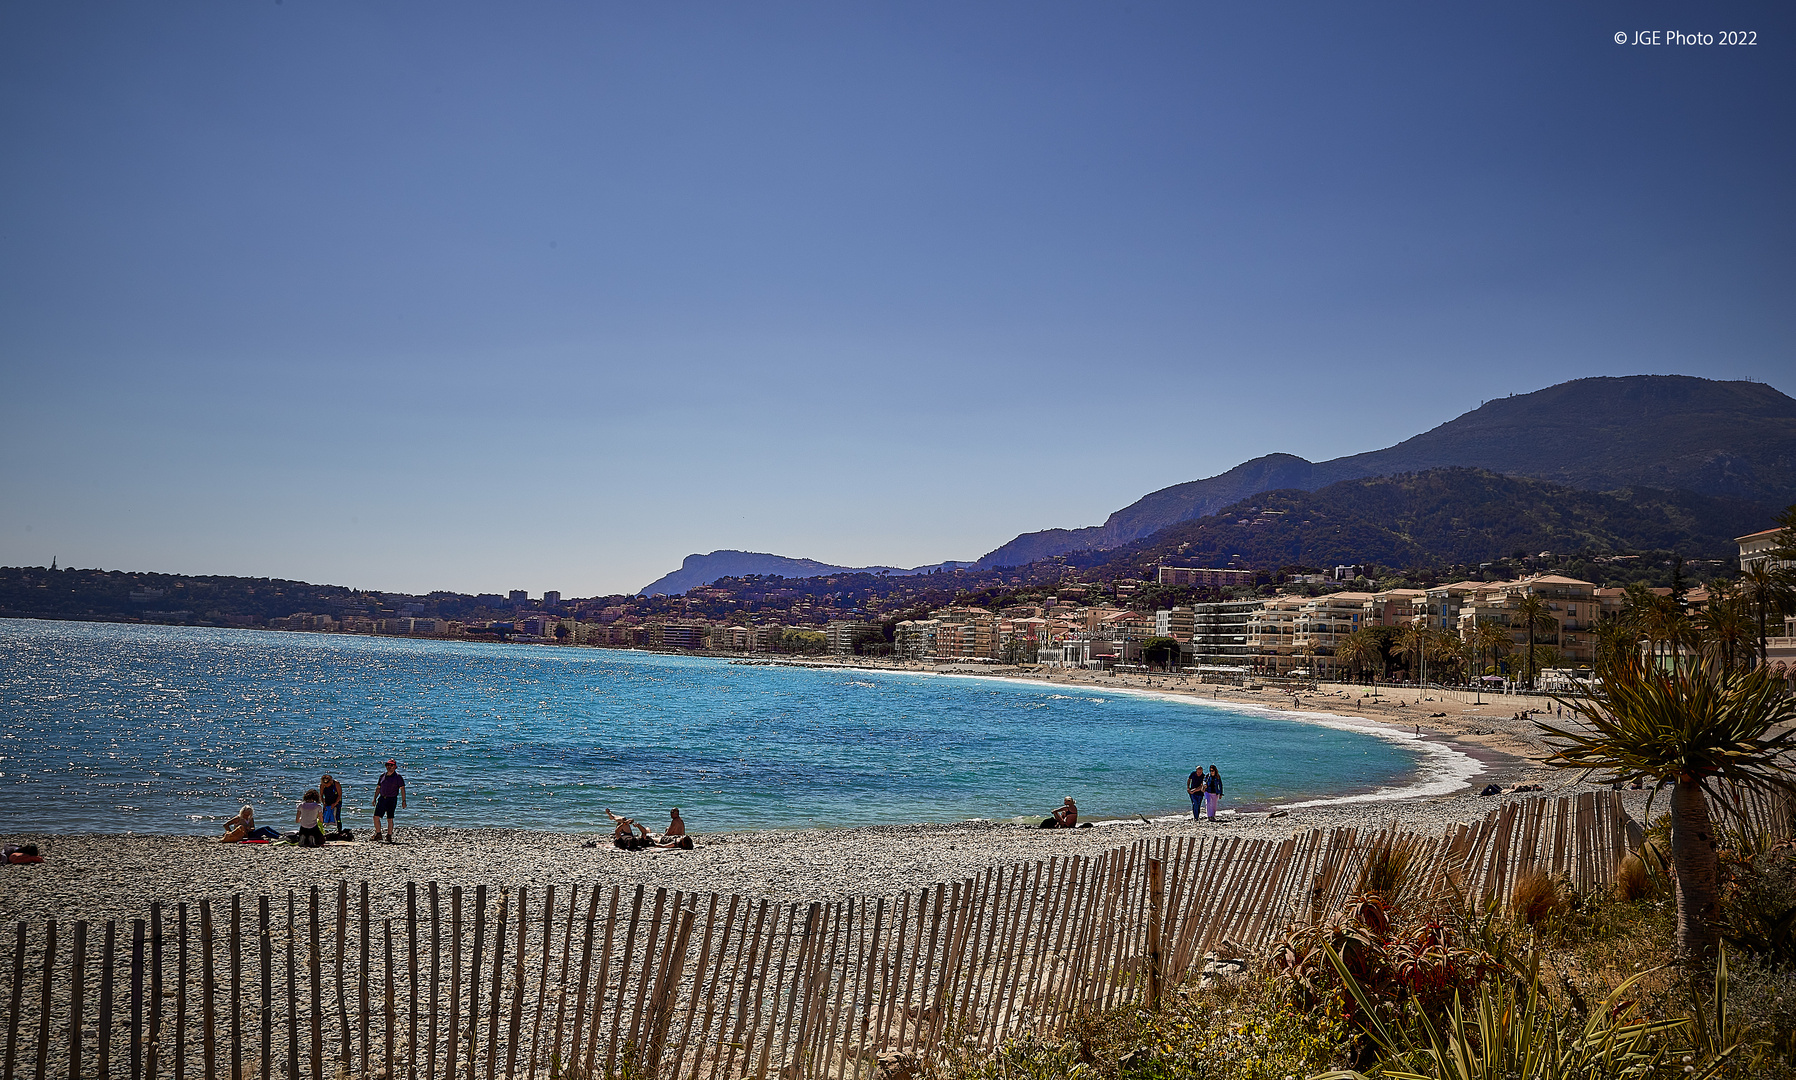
914, 639
1219, 633
1573, 610
1323, 622
1201, 577
840, 634
1272, 633
1757, 547
682, 636
1124, 626
966, 633
729, 638
1178, 623
1393, 607
1780, 651
1440, 605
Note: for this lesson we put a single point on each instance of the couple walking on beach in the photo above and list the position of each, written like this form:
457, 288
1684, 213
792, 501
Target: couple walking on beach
1205, 790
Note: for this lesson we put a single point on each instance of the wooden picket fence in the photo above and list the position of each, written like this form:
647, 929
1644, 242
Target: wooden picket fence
451, 983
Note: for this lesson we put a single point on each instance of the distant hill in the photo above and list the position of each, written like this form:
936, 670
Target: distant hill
699, 570
1446, 516
1732, 440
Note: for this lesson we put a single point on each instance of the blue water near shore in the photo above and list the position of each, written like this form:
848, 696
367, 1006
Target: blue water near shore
152, 729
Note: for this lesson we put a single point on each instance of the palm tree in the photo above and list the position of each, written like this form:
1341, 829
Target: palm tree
1492, 638
1696, 728
1726, 625
1413, 647
1768, 590
1359, 650
1533, 613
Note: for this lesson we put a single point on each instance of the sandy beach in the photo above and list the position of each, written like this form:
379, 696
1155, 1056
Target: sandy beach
98, 877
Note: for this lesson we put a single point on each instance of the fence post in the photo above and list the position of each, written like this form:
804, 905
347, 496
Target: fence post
494, 1001
315, 987
154, 1031
208, 995
77, 989
43, 1014
344, 1056
1156, 874
104, 1065
292, 989
436, 954
180, 1070
362, 982
265, 948
136, 1001
236, 987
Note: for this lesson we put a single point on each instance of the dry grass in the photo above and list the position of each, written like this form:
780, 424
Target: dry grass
1632, 882
1390, 871
1535, 899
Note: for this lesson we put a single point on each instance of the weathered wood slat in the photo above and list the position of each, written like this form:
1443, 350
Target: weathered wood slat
236, 990
265, 1003
315, 987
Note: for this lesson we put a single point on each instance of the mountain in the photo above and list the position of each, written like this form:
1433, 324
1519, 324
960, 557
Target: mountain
1732, 440
699, 570
1446, 516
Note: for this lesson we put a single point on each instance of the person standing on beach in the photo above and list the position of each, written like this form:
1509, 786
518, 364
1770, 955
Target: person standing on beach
1194, 787
388, 790
331, 793
1212, 791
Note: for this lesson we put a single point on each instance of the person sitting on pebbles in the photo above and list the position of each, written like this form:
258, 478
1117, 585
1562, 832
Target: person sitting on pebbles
675, 836
243, 827
1065, 816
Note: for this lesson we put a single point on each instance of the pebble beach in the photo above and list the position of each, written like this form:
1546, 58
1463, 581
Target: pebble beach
98, 877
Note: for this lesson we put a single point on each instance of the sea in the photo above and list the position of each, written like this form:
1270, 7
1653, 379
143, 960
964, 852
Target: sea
115, 728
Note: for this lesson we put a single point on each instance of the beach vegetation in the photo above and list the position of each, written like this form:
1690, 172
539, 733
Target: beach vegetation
1163, 651
1438, 991
1532, 614
1706, 731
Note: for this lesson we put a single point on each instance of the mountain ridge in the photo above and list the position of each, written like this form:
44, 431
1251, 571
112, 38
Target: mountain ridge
1733, 441
700, 570
1675, 432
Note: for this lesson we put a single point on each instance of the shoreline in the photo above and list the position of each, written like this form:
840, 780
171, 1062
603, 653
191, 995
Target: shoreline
96, 876
99, 876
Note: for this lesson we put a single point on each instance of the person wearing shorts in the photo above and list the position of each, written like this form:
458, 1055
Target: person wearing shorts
331, 793
388, 790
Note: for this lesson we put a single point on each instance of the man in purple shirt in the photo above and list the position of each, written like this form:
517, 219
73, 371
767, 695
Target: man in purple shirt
388, 790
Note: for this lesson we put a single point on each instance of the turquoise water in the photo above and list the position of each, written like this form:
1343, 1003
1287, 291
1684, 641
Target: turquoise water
115, 728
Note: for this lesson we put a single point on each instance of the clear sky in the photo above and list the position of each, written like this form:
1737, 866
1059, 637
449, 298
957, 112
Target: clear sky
550, 295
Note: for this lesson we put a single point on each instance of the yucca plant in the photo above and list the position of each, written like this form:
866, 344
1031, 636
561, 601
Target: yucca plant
1697, 728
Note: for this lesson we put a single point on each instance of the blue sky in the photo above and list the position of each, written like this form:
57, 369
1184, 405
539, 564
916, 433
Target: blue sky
548, 296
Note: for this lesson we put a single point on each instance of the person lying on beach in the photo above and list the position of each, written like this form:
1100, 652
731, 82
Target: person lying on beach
624, 835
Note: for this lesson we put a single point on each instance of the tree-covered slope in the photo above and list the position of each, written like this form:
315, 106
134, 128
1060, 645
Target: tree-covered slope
1454, 515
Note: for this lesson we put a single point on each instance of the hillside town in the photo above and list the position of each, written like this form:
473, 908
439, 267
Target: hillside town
1542, 627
